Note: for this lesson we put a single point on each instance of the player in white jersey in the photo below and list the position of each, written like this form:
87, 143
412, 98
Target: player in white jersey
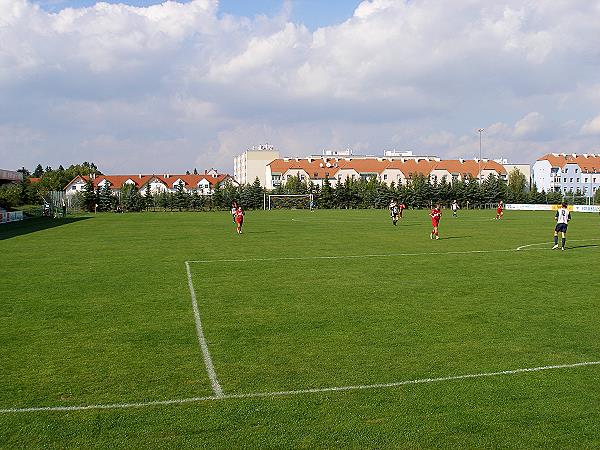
562, 218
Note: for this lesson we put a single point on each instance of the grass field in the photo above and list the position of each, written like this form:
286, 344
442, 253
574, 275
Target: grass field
325, 330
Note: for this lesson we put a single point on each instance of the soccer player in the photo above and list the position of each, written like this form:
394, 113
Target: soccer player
454, 208
401, 207
394, 211
500, 210
562, 218
233, 210
239, 218
436, 215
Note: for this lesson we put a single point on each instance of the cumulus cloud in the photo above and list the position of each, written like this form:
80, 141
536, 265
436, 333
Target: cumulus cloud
122, 85
592, 126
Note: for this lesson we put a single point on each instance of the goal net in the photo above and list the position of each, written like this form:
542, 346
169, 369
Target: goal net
289, 201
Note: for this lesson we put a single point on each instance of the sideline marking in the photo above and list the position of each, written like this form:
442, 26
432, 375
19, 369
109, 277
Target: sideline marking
210, 368
295, 392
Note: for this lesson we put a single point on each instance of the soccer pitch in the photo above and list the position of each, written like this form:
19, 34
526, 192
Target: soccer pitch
313, 330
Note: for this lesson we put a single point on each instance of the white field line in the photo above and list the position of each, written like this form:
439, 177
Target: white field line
295, 392
379, 255
374, 255
210, 368
551, 243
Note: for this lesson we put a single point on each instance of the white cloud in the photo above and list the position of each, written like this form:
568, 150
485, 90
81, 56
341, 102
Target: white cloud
120, 83
592, 126
532, 124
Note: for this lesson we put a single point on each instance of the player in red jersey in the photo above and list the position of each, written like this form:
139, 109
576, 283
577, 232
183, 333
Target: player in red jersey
401, 207
239, 218
500, 210
436, 215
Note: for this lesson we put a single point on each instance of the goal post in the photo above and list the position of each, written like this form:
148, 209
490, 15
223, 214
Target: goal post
300, 201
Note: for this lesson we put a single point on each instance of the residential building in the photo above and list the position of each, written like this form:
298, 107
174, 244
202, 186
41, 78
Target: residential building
568, 173
10, 176
251, 164
388, 170
203, 184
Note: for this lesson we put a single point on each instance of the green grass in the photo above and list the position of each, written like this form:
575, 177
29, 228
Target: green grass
97, 310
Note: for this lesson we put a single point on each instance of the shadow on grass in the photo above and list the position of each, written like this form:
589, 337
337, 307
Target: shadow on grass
581, 246
14, 229
456, 237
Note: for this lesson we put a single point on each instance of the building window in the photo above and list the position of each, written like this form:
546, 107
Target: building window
564, 180
566, 170
578, 180
571, 180
576, 170
385, 177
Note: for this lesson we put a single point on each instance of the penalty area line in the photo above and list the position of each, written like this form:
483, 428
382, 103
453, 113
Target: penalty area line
296, 392
210, 368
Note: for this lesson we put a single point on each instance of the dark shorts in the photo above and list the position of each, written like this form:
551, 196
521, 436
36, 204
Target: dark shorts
561, 228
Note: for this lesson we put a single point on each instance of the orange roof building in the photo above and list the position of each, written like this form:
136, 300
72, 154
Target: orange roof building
203, 184
568, 173
388, 170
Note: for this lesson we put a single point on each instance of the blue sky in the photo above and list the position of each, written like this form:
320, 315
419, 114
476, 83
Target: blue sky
172, 86
312, 13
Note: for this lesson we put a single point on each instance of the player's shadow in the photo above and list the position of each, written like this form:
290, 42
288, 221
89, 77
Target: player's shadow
14, 229
582, 246
456, 237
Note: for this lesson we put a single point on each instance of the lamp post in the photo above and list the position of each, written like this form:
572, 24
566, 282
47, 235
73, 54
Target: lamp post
480, 130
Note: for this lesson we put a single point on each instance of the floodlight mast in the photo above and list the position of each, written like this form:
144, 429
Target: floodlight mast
480, 130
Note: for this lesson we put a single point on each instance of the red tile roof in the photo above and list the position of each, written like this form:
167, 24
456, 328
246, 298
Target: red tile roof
588, 163
117, 181
377, 165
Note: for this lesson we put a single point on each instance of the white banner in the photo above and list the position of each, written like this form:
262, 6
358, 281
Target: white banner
14, 216
543, 207
528, 207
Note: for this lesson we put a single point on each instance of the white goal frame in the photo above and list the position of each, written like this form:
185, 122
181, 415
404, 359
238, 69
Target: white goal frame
267, 198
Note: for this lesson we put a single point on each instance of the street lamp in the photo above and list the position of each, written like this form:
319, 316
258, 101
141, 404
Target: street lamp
480, 130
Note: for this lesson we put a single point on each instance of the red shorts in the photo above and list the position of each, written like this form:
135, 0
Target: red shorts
435, 222
499, 210
239, 220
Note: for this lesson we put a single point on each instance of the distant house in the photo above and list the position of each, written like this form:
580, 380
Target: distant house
203, 184
387, 170
564, 173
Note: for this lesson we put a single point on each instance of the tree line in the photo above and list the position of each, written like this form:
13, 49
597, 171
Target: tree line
418, 192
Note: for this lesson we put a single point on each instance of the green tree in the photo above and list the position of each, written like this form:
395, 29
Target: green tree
181, 197
517, 186
256, 195
325, 199
9, 196
38, 172
106, 200
148, 197
421, 190
89, 198
131, 198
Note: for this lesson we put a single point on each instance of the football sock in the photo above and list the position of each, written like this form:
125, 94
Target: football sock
555, 240
563, 242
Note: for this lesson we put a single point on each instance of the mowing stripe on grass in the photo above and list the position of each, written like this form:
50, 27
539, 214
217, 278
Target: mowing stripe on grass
380, 255
210, 368
295, 392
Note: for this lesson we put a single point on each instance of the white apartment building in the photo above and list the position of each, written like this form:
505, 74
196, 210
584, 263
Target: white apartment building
252, 163
565, 173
